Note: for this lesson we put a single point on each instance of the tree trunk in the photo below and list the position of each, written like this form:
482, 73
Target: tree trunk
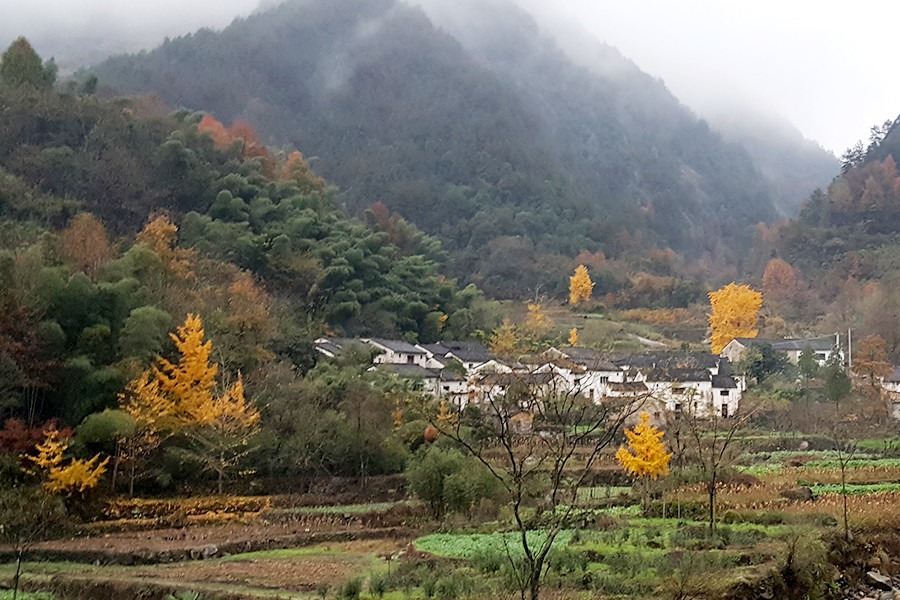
19, 554
131, 479
534, 584
221, 472
712, 507
115, 471
844, 498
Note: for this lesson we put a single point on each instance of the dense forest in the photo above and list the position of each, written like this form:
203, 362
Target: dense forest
835, 266
116, 223
516, 157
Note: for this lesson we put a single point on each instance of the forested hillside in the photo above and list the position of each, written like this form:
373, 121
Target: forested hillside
837, 263
514, 156
115, 223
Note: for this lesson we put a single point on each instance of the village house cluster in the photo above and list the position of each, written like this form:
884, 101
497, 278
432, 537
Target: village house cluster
464, 373
667, 382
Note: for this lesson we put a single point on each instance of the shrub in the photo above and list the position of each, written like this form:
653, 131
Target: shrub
445, 479
351, 589
377, 585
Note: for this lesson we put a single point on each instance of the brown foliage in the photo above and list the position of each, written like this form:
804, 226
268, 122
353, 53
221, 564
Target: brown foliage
870, 359
17, 438
779, 281
85, 243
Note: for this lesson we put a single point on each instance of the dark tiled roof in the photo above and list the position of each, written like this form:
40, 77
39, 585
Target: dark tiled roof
505, 379
724, 382
408, 371
448, 375
822, 344
676, 374
397, 346
468, 351
588, 358
336, 346
437, 349
668, 360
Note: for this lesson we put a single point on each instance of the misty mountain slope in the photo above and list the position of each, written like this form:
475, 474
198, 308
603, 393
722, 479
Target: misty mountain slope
505, 148
793, 165
620, 131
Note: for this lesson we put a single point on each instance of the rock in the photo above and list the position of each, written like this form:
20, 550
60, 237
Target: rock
804, 445
887, 596
800, 494
882, 582
209, 551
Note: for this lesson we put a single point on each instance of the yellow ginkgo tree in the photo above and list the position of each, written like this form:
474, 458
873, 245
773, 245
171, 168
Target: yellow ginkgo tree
178, 398
68, 477
580, 286
645, 456
733, 314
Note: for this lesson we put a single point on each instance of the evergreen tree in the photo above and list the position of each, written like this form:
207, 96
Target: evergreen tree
20, 65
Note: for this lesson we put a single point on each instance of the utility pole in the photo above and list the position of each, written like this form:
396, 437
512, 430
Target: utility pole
849, 352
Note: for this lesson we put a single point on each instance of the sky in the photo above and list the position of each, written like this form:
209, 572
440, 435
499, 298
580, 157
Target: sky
825, 66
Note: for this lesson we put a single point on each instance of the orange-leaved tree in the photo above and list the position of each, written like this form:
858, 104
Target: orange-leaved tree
85, 243
161, 236
870, 359
580, 286
779, 281
75, 476
645, 457
180, 398
573, 337
734, 310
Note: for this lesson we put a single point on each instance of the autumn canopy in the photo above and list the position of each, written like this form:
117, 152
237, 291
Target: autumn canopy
734, 309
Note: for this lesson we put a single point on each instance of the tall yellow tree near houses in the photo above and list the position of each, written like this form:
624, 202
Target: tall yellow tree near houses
180, 398
580, 286
645, 457
734, 310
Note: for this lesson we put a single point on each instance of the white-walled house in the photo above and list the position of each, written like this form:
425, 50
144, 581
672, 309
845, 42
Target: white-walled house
470, 354
891, 386
823, 347
395, 352
666, 380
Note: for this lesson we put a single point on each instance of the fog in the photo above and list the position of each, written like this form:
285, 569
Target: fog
822, 65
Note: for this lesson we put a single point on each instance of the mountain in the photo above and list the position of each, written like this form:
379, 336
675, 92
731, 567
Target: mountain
793, 164
483, 132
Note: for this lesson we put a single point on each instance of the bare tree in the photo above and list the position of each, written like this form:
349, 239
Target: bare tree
27, 515
540, 438
713, 439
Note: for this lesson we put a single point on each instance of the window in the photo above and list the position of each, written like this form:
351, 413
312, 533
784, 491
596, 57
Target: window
723, 392
604, 379
678, 407
409, 358
725, 411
